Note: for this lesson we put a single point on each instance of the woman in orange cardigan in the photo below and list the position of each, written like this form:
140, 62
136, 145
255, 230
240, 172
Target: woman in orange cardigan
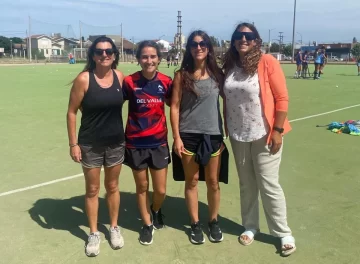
256, 119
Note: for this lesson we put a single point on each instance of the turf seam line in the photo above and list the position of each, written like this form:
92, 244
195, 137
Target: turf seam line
81, 174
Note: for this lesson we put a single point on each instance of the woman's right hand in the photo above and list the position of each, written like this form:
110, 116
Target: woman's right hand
178, 146
75, 153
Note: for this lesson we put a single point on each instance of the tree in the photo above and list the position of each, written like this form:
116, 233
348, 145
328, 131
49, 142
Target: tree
5, 43
355, 51
214, 41
287, 50
274, 47
16, 40
354, 40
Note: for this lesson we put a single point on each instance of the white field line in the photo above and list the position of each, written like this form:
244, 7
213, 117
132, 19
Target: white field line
81, 174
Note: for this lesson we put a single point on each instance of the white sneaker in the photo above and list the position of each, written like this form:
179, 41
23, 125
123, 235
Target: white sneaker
116, 239
93, 245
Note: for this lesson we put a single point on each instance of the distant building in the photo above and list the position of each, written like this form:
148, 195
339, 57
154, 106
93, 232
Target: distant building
177, 40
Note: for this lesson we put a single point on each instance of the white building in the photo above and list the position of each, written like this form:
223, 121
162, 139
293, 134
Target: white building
165, 44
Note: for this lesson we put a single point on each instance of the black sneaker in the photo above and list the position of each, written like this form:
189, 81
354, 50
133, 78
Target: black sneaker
215, 231
196, 235
146, 235
157, 218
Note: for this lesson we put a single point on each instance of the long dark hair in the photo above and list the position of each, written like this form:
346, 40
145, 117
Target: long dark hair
145, 44
188, 66
251, 59
90, 63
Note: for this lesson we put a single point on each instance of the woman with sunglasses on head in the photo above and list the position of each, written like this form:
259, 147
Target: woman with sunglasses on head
197, 125
256, 115
146, 135
97, 93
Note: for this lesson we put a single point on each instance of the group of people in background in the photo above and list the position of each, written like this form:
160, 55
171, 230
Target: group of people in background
302, 63
255, 104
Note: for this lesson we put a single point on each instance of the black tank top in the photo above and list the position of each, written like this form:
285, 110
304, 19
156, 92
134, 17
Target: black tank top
101, 121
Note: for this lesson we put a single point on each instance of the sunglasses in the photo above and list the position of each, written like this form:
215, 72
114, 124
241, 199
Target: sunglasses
248, 35
194, 44
100, 52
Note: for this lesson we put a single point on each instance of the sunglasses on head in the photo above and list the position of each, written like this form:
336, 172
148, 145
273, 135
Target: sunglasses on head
100, 52
194, 44
248, 35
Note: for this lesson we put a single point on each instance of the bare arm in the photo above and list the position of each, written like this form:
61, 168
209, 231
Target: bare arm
77, 93
175, 112
175, 105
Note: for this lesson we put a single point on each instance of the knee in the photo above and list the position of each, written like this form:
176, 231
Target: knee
160, 191
92, 191
112, 187
213, 185
142, 187
192, 183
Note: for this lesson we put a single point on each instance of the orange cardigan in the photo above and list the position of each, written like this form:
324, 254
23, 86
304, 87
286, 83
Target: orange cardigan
273, 90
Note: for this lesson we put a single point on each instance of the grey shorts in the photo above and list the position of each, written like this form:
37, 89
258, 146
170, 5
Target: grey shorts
107, 156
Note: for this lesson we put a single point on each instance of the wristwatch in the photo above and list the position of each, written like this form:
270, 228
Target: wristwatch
278, 129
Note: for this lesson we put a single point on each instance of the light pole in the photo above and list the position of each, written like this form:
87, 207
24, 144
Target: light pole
293, 35
270, 38
300, 37
11, 48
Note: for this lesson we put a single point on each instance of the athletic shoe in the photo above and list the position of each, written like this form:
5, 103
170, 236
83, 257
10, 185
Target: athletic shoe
157, 218
116, 239
146, 235
196, 235
93, 245
215, 231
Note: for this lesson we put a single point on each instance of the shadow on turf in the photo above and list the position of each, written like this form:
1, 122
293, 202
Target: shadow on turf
69, 215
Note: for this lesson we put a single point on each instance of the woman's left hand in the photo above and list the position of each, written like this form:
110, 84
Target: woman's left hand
276, 142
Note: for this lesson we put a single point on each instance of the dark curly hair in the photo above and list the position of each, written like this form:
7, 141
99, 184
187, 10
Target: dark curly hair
251, 59
187, 67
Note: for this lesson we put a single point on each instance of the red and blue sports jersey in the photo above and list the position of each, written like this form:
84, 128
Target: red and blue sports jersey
146, 125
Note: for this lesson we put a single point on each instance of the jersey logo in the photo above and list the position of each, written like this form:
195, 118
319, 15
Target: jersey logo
137, 88
160, 89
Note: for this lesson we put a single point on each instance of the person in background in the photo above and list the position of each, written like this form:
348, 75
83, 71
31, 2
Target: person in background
298, 60
97, 93
317, 63
305, 64
197, 129
168, 60
323, 60
358, 65
146, 135
256, 103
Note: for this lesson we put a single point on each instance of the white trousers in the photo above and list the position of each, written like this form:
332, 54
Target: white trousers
258, 172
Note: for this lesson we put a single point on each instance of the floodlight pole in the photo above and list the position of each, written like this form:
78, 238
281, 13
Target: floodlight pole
293, 35
29, 47
81, 44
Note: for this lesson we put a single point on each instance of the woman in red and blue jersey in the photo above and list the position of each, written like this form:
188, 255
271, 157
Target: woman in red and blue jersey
146, 135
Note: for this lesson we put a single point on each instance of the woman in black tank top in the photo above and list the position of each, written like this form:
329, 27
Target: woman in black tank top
97, 92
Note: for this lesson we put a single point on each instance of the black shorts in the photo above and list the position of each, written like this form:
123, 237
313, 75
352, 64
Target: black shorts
191, 142
154, 158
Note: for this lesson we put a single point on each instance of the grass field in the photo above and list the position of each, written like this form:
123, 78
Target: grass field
47, 224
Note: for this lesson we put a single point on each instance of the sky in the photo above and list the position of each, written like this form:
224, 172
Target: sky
324, 21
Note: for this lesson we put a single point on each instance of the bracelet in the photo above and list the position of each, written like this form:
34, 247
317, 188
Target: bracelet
73, 145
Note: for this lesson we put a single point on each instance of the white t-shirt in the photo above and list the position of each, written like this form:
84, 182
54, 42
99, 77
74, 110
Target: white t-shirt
244, 113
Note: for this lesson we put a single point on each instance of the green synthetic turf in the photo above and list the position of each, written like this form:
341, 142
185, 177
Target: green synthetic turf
319, 175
